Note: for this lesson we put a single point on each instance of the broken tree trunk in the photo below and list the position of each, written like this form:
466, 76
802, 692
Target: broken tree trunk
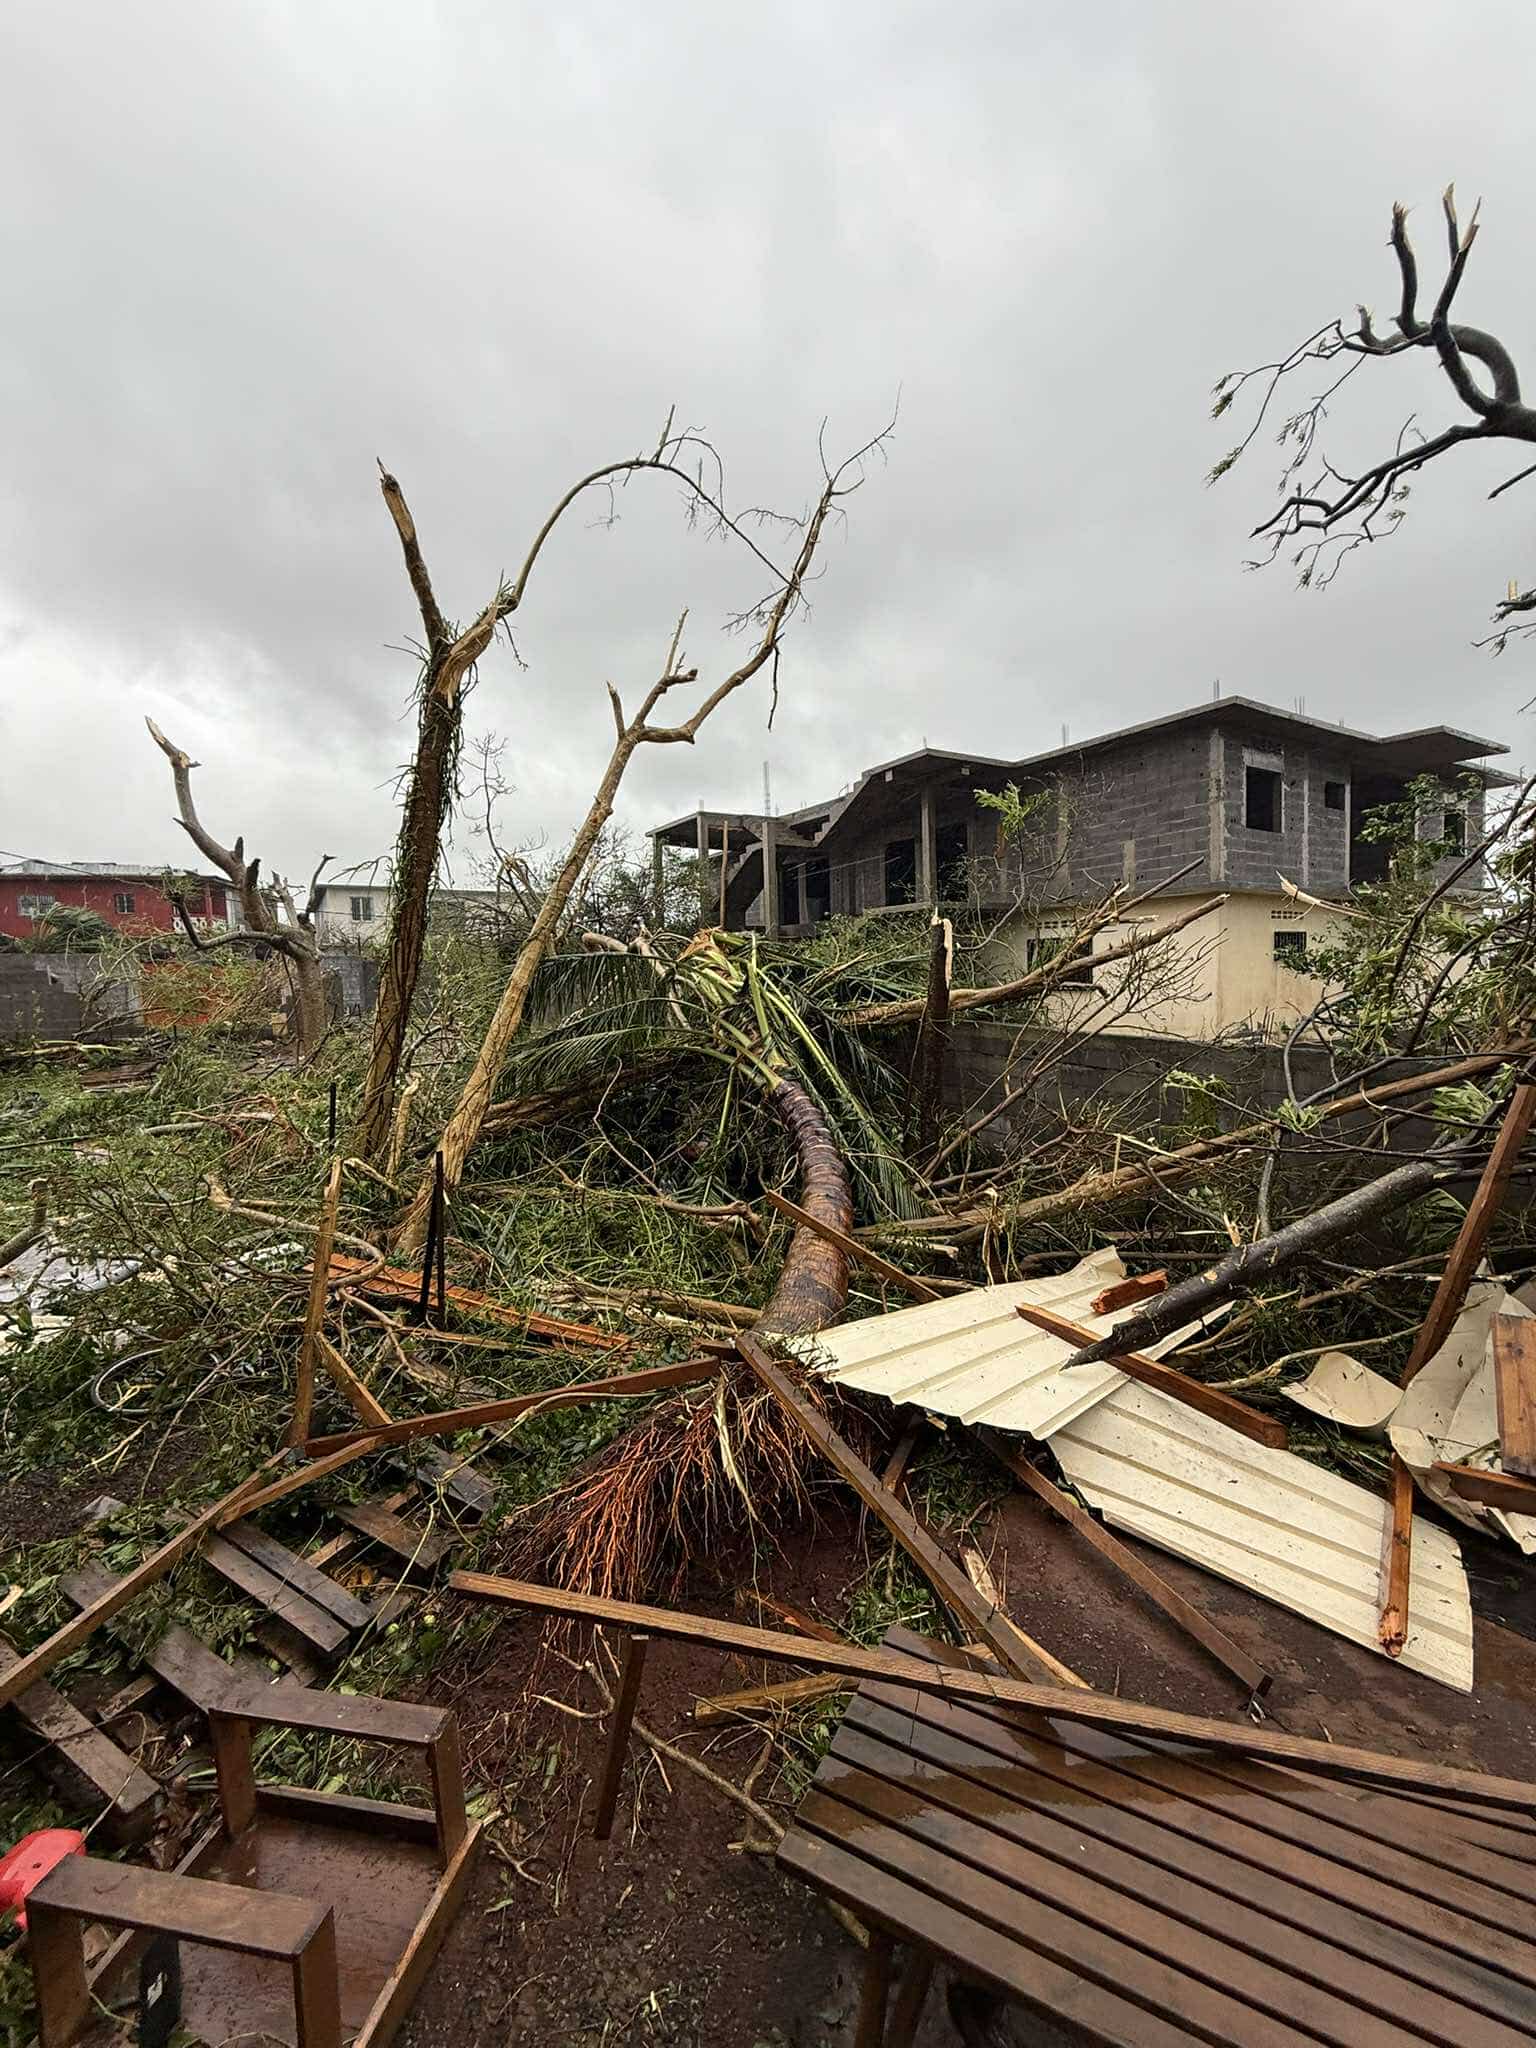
427, 797
812, 1288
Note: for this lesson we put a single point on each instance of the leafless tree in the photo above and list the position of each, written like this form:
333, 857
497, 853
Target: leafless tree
766, 621
449, 658
273, 921
1332, 511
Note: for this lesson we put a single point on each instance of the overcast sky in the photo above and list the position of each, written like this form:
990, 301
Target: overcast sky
250, 248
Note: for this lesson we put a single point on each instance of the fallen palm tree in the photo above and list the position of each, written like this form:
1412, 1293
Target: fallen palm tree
709, 1464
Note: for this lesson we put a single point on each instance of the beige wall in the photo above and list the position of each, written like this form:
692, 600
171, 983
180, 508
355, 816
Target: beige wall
1222, 974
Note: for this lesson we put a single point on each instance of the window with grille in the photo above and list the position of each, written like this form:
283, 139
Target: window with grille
122, 903
362, 910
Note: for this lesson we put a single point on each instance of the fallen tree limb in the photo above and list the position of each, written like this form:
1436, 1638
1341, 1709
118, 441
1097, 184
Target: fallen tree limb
1147, 1175
1252, 1262
910, 1009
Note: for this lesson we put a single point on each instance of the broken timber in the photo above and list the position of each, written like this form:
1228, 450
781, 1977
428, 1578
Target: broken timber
395, 1283
860, 1254
1263, 1429
1084, 1708
1514, 1373
1512, 1492
88, 1766
622, 1386
975, 1613
1245, 1669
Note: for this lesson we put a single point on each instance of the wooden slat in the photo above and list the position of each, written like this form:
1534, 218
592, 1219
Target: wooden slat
323, 1630
293, 1571
89, 1765
766, 1699
1475, 1226
976, 1614
1135, 1287
314, 1313
418, 1548
1514, 1377
1132, 1903
1263, 1912
1397, 1571
1088, 1709
73, 1633
484, 1414
996, 1959
358, 1396
1152, 1372
405, 1980
851, 1248
1423, 1939
176, 1656
1157, 1981
1511, 1491
1247, 1670
192, 1908
395, 1283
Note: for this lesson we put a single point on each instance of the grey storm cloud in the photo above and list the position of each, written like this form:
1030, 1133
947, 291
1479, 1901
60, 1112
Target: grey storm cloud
251, 249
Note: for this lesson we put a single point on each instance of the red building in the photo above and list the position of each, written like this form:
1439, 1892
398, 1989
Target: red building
126, 895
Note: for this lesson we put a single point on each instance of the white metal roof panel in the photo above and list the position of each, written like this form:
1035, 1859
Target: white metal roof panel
971, 1356
1275, 1523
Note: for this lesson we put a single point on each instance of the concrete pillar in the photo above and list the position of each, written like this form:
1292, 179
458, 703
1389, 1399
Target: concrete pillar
770, 879
927, 851
658, 882
706, 894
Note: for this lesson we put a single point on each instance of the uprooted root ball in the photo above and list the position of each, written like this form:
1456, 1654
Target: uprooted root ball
702, 1471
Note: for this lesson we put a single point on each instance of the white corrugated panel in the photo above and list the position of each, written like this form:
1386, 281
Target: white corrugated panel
1281, 1526
971, 1355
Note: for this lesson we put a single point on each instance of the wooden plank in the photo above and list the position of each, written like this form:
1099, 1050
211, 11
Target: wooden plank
1514, 1376
621, 1386
300, 1477
1511, 1491
314, 1313
1426, 1942
895, 1468
416, 1548
1207, 1864
293, 1571
362, 1716
1245, 1669
1297, 1974
1263, 1429
1397, 1574
176, 1656
362, 1402
446, 1770
89, 1765
1484, 1206
317, 1627
631, 1672
234, 1768
273, 1924
766, 1699
348, 1810
851, 1248
395, 1283
976, 1614
874, 1990
797, 1617
1088, 1709
1103, 2015
1122, 1293
405, 1980
28, 1669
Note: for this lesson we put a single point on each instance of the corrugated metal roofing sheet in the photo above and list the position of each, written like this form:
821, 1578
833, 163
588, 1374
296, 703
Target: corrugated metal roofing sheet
1281, 1526
971, 1356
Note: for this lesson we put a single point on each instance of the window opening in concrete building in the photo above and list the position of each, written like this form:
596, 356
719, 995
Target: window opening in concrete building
901, 871
362, 910
1078, 971
1262, 799
122, 903
817, 878
1454, 831
1290, 948
1333, 796
952, 852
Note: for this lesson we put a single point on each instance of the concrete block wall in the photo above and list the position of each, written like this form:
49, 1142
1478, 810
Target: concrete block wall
61, 995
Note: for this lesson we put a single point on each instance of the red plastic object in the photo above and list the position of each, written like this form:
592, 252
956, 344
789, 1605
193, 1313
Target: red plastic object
30, 1862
